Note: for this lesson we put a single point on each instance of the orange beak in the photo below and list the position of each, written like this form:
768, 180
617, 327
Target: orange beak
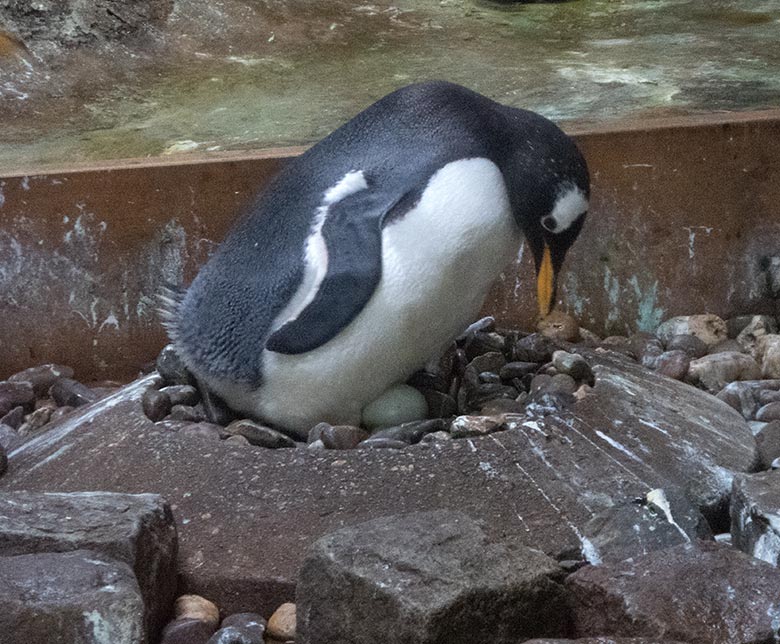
545, 280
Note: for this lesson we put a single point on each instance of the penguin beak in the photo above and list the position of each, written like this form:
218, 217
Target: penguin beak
545, 282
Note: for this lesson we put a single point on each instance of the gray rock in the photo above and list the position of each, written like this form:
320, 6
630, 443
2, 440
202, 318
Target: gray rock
756, 328
661, 519
315, 433
715, 371
690, 344
186, 630
190, 414
676, 593
533, 348
768, 442
673, 364
619, 344
744, 396
766, 396
488, 377
768, 354
490, 362
67, 391
572, 364
79, 597
35, 421
562, 383
755, 515
259, 435
156, 404
466, 426
135, 529
342, 436
16, 394
3, 460
9, 438
42, 377
486, 392
13, 418
182, 394
484, 342
235, 635
769, 412
512, 370
709, 328
485, 324
60, 413
436, 437
252, 622
171, 367
499, 406
411, 432
440, 405
433, 578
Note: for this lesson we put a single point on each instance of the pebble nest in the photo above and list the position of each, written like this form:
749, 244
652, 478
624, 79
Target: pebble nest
487, 376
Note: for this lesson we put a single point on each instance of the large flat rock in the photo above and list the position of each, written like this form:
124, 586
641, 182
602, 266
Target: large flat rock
247, 515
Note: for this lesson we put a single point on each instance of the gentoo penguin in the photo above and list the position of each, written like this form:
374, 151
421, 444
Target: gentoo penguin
371, 251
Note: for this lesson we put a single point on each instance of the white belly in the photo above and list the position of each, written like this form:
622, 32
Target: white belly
438, 262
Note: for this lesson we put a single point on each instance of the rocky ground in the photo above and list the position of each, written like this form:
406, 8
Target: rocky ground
545, 485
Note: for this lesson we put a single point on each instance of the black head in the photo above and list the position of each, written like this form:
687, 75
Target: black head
549, 189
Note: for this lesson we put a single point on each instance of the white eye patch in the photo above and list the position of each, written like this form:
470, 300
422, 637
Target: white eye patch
570, 205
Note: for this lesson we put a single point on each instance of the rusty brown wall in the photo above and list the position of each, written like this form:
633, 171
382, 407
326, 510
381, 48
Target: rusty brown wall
684, 215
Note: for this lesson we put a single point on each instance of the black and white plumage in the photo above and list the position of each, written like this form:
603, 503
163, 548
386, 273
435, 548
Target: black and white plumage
370, 252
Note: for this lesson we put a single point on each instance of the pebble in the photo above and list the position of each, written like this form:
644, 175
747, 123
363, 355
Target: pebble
619, 344
562, 383
35, 421
489, 378
533, 348
237, 439
500, 406
512, 370
182, 394
715, 371
488, 362
186, 630
67, 391
440, 405
13, 418
282, 623
483, 342
765, 396
259, 435
768, 444
189, 413
572, 364
769, 412
559, 326
768, 353
399, 404
737, 324
3, 460
709, 328
436, 437
690, 344
467, 426
316, 431
253, 622
486, 324
726, 345
42, 377
156, 404
756, 328
171, 367
588, 338
342, 436
197, 607
235, 635
314, 445
16, 394
410, 432
673, 364
60, 412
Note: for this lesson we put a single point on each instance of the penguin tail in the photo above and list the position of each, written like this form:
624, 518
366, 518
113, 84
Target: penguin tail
169, 300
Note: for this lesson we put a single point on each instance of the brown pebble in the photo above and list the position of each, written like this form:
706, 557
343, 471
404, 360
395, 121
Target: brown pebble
673, 364
342, 436
35, 421
559, 326
203, 430
194, 414
237, 439
282, 623
182, 394
196, 607
185, 630
16, 394
769, 412
67, 391
156, 404
42, 377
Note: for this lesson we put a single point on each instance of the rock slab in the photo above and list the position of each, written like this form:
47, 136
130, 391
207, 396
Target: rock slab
427, 578
703, 594
137, 529
755, 515
78, 597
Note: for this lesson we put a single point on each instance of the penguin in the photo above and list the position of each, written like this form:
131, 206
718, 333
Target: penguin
369, 253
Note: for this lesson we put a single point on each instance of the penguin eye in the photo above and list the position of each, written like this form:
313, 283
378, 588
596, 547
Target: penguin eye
549, 223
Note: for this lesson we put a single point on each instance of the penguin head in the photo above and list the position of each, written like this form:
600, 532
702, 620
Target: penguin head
551, 202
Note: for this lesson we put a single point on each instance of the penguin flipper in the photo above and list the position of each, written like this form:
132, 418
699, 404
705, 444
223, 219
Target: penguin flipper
353, 237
